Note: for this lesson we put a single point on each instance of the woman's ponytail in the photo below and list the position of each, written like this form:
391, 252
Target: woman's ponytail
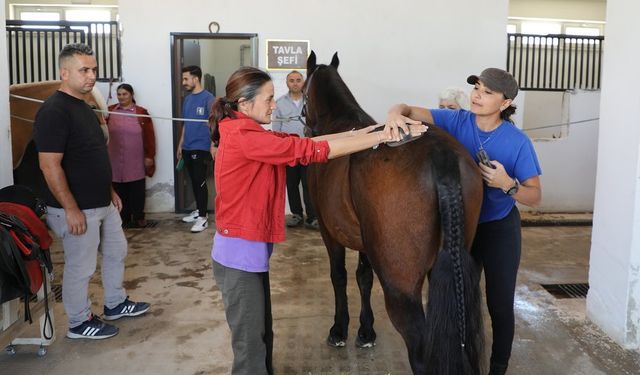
505, 115
221, 109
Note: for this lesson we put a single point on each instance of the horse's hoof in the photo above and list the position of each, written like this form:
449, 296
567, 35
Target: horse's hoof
364, 344
336, 342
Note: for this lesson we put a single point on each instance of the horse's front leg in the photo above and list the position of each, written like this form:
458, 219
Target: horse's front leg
364, 274
340, 329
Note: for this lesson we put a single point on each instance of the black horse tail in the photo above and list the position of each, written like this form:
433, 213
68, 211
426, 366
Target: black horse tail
454, 337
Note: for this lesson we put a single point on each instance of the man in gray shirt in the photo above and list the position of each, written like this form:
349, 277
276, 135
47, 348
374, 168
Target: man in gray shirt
287, 119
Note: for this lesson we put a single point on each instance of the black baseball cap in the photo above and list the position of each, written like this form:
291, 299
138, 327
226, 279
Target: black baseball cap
497, 80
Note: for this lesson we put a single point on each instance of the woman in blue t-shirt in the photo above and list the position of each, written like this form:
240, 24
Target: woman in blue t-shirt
510, 169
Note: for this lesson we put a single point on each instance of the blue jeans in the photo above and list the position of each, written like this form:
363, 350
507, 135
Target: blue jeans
104, 231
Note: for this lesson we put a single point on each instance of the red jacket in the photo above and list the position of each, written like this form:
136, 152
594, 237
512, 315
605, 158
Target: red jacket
250, 177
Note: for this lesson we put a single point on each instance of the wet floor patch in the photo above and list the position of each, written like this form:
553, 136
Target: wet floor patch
185, 331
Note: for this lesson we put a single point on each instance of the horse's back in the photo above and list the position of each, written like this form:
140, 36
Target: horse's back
400, 183
23, 112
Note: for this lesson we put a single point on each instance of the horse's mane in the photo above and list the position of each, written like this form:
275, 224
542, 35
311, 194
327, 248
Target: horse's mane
344, 107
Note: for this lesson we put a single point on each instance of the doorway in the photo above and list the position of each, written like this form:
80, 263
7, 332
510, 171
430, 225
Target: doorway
218, 55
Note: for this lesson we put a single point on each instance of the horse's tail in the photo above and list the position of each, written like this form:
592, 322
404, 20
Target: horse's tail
454, 337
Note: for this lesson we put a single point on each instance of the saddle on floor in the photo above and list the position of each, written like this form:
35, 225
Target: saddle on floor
24, 247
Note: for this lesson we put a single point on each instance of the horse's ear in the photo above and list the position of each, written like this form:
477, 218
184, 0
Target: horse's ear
311, 63
335, 61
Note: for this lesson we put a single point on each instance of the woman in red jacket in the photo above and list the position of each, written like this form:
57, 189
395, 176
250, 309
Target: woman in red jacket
132, 149
250, 185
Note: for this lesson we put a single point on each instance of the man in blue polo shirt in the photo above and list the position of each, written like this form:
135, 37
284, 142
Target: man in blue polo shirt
195, 142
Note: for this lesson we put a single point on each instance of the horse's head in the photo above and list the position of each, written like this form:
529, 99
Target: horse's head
329, 105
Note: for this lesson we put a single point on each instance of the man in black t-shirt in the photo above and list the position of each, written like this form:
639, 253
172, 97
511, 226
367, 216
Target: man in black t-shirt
82, 206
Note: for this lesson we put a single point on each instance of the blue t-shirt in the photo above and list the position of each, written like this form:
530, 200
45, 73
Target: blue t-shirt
196, 134
506, 144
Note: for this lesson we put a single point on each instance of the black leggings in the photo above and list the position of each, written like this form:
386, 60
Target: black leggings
132, 195
196, 163
497, 249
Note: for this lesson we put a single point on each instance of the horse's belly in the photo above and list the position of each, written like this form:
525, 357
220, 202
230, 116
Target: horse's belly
347, 236
331, 193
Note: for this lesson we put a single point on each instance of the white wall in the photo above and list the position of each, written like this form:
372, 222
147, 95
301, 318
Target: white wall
569, 163
592, 10
544, 108
6, 166
389, 53
53, 2
614, 295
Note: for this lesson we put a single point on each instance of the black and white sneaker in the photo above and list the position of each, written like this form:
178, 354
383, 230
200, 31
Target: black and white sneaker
293, 221
199, 225
93, 329
126, 308
191, 217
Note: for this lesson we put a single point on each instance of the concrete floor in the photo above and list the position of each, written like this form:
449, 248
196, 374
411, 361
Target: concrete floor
185, 331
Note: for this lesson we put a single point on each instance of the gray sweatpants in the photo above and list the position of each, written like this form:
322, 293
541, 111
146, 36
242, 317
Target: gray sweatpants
104, 231
247, 306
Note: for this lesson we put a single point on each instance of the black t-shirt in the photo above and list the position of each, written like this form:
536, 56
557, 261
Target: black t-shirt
65, 124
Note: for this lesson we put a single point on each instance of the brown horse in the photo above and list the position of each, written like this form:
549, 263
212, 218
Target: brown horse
24, 101
408, 210
23, 112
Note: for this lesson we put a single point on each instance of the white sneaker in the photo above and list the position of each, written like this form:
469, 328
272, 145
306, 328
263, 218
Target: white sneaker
191, 217
200, 224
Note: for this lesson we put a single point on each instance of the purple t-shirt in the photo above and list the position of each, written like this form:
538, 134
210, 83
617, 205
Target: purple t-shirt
241, 254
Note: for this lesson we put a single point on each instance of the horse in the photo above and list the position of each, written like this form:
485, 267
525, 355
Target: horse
24, 101
409, 211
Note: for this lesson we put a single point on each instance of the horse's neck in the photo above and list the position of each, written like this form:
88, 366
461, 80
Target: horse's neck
351, 117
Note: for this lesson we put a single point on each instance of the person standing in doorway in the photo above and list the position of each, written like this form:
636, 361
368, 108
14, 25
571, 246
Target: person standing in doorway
287, 119
132, 150
195, 143
81, 203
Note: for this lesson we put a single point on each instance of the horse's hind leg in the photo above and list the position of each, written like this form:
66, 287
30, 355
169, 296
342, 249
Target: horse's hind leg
364, 274
340, 329
407, 315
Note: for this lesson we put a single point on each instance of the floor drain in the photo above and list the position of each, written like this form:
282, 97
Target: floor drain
56, 289
567, 290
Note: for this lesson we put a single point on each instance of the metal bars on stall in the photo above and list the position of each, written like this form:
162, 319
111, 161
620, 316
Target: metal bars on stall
33, 47
555, 62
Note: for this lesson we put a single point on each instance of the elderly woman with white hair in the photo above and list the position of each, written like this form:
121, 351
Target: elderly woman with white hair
453, 98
